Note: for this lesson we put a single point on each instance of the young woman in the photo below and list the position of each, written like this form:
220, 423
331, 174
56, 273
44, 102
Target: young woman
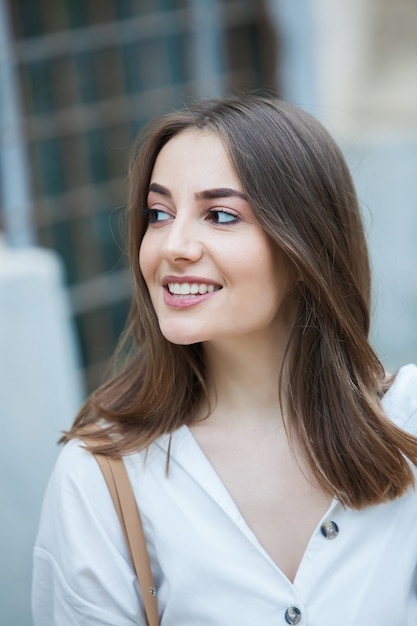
272, 458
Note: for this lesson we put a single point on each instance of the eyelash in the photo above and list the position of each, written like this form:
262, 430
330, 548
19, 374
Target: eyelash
152, 216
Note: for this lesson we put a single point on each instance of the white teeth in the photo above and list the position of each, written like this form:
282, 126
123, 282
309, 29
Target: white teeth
186, 289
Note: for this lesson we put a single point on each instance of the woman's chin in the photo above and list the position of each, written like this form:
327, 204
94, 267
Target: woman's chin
181, 336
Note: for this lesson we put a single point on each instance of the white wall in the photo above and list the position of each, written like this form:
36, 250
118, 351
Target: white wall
40, 392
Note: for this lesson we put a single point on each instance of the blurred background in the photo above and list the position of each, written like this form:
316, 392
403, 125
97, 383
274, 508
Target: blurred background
78, 79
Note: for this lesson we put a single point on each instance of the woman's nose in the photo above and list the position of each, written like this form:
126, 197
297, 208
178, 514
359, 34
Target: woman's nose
182, 242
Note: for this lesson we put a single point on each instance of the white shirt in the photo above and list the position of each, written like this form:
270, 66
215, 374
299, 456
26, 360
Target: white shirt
209, 568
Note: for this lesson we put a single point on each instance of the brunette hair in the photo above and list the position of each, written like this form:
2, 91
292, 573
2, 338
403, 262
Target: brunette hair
300, 189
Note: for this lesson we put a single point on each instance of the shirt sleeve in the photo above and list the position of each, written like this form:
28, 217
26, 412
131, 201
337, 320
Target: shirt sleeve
82, 571
400, 401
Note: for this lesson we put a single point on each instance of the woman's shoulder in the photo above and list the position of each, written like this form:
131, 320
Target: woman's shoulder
76, 468
400, 401
75, 492
77, 474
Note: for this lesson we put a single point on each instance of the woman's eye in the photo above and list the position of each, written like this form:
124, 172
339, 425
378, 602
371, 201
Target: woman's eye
222, 217
156, 215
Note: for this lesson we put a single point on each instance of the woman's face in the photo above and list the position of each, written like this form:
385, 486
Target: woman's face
211, 271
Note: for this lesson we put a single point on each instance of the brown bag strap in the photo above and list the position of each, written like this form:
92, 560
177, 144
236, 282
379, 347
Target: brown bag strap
118, 482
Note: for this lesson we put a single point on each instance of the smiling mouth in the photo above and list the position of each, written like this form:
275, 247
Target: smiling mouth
191, 289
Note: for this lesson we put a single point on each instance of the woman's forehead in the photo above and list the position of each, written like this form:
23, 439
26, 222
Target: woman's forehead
195, 156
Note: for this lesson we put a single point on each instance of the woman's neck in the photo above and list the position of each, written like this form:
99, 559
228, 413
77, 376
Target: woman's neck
244, 381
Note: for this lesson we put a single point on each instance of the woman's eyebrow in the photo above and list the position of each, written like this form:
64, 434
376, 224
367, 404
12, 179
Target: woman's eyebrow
221, 192
159, 189
207, 194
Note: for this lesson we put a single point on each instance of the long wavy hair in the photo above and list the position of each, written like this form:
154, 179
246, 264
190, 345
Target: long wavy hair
300, 189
